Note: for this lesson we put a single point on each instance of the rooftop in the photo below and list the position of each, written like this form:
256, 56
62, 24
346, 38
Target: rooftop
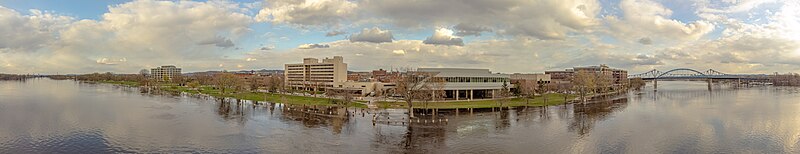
462, 72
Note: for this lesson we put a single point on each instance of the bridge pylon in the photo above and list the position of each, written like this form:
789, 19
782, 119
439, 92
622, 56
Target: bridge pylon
655, 85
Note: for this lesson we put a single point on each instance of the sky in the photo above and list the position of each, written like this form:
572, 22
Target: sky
524, 36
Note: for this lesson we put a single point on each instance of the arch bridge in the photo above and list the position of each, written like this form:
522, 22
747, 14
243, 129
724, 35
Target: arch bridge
691, 74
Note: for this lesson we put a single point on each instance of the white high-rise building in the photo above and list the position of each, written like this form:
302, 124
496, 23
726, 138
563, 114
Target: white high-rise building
165, 73
315, 75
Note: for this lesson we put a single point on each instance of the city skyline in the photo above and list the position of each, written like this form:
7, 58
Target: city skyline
505, 36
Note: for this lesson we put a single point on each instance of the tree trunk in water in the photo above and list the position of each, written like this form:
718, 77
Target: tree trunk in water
410, 109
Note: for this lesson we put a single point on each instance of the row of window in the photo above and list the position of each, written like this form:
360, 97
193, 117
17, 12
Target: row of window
475, 79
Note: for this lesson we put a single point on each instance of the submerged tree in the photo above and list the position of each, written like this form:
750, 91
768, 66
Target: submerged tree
411, 84
527, 89
503, 96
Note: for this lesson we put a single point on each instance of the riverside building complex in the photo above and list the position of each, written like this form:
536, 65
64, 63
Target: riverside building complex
313, 75
165, 73
468, 84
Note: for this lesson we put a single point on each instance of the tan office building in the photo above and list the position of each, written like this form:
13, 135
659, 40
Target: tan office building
165, 73
316, 75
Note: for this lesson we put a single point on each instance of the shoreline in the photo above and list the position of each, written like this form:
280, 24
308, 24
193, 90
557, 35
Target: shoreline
553, 99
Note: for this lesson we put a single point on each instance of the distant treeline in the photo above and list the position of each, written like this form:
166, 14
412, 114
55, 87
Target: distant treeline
791, 79
14, 77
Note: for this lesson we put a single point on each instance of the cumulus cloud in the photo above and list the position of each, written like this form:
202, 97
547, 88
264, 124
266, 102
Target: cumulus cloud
313, 46
491, 54
335, 33
107, 61
307, 13
444, 36
373, 35
548, 19
643, 18
28, 33
530, 36
136, 30
399, 52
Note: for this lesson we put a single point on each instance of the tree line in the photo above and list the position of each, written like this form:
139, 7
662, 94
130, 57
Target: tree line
14, 77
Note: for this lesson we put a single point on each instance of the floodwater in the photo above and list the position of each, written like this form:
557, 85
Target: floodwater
49, 116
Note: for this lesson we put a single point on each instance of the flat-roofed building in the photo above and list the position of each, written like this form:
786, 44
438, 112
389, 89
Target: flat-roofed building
315, 75
165, 73
617, 75
539, 78
467, 83
560, 76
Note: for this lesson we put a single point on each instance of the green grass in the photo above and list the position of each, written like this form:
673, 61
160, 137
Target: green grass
552, 99
258, 96
127, 83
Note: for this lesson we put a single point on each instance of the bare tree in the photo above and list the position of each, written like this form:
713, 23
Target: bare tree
227, 81
194, 84
144, 72
503, 95
435, 90
253, 83
636, 83
603, 82
584, 82
547, 88
409, 86
178, 79
345, 96
274, 83
528, 89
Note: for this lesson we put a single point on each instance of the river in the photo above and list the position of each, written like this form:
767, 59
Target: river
51, 116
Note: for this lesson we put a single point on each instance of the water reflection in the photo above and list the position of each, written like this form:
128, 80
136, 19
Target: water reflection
233, 110
46, 116
586, 115
318, 116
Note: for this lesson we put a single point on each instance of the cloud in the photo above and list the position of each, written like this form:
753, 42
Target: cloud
645, 41
645, 18
153, 32
547, 19
106, 61
307, 13
28, 33
444, 36
217, 41
491, 54
399, 52
374, 35
313, 46
335, 33
470, 29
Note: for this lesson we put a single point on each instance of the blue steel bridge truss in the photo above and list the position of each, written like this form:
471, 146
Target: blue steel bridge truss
691, 74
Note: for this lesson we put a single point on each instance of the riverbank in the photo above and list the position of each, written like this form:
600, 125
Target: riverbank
552, 99
260, 96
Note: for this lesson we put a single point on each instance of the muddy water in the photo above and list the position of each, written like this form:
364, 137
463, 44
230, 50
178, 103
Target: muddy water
49, 116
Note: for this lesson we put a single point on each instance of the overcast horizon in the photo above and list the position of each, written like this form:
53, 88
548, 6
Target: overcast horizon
84, 36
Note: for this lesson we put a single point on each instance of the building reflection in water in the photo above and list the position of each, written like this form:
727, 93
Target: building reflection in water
318, 116
233, 110
586, 115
